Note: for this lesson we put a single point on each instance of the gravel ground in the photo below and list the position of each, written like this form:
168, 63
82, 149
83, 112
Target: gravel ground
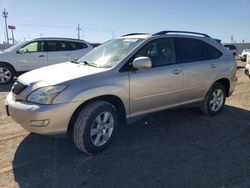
176, 148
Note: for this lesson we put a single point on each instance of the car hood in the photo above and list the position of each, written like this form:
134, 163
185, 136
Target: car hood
59, 73
4, 53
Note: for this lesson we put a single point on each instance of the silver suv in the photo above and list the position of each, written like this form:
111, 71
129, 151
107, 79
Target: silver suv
124, 78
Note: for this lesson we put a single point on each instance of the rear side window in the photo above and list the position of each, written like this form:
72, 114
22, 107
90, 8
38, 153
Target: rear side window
63, 46
51, 46
191, 50
76, 45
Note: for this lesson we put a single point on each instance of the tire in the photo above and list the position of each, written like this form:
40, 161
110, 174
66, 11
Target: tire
7, 74
92, 119
244, 58
212, 105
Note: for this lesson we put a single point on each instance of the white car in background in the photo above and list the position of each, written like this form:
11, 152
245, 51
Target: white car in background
247, 68
29, 55
243, 55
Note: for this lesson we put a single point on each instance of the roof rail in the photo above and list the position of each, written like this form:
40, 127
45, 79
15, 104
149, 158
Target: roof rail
134, 34
186, 32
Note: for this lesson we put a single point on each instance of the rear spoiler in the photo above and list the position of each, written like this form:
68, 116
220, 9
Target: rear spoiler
218, 40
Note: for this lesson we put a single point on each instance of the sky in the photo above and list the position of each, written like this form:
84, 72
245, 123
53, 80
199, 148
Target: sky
101, 20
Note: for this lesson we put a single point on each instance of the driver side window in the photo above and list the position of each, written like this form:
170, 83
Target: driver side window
31, 47
160, 51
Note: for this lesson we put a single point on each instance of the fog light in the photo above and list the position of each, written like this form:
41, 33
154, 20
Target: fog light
39, 123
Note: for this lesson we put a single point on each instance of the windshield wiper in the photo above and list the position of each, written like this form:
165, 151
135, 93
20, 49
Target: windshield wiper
87, 63
75, 61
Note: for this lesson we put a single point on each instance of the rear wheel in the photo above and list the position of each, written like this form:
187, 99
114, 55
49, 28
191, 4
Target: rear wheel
95, 127
6, 73
214, 100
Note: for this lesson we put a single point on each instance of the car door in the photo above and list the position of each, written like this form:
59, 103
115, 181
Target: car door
31, 56
199, 61
57, 52
158, 87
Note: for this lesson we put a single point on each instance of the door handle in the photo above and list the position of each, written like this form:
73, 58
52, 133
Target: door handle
213, 65
41, 56
176, 71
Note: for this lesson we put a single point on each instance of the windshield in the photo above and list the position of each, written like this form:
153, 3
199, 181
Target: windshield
14, 47
110, 53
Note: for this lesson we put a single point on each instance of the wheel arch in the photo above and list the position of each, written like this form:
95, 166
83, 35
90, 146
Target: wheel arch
226, 83
114, 100
8, 64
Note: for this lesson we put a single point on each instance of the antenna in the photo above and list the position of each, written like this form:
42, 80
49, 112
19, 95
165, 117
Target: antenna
78, 31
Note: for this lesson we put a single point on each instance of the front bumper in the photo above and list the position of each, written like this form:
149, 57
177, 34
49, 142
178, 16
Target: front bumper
25, 112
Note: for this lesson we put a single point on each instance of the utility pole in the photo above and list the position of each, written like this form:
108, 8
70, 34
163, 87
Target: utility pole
78, 31
5, 16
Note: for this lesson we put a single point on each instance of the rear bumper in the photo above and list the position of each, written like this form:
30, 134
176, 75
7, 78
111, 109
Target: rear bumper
232, 85
57, 115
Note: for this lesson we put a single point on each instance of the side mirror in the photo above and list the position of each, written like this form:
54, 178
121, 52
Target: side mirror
142, 63
21, 51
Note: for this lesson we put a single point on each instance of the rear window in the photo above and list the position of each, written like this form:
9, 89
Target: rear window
191, 50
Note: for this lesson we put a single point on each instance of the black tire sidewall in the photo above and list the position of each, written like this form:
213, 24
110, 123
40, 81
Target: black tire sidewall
12, 71
88, 145
211, 91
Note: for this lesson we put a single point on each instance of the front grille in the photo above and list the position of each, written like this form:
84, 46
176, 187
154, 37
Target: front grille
18, 88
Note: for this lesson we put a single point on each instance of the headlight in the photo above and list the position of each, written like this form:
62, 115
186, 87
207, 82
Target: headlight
45, 95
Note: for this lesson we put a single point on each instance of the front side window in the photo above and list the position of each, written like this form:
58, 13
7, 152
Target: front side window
31, 47
191, 50
110, 53
160, 51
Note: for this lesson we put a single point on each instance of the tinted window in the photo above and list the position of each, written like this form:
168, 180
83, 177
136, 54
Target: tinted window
160, 51
76, 45
191, 50
51, 46
64, 45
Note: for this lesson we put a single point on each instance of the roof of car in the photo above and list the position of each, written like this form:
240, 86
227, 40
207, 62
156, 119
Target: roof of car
168, 33
58, 38
137, 35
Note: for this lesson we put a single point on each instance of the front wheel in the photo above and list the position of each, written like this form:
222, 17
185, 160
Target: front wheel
6, 74
214, 100
95, 127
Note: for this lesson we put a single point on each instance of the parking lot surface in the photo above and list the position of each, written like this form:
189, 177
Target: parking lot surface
175, 148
